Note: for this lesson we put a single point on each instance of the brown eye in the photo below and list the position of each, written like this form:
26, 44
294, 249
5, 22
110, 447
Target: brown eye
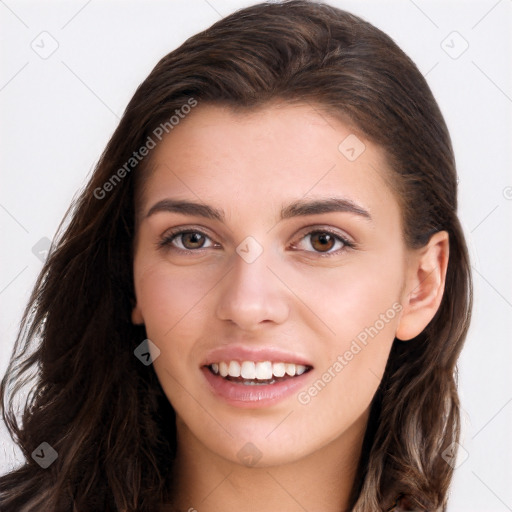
186, 240
322, 241
192, 240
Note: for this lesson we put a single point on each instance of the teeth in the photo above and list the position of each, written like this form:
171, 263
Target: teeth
248, 370
290, 369
234, 369
278, 369
262, 370
223, 369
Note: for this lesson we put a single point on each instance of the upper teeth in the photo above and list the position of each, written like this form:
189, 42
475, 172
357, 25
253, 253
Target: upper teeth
261, 370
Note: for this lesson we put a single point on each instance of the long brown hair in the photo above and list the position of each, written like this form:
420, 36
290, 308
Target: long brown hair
104, 412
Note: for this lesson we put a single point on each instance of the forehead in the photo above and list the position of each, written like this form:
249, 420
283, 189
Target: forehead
266, 158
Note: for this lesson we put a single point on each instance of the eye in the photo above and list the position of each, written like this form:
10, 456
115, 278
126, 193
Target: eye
323, 241
186, 240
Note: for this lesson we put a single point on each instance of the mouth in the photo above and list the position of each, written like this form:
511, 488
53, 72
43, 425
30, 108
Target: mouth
260, 373
255, 384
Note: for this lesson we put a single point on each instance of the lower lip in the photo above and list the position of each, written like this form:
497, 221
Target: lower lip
256, 396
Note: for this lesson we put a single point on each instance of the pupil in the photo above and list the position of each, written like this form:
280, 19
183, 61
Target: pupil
322, 241
194, 239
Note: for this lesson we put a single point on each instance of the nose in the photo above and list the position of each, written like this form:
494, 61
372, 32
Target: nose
252, 295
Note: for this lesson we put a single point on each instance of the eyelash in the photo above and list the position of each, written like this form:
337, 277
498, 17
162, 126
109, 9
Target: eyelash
168, 238
347, 244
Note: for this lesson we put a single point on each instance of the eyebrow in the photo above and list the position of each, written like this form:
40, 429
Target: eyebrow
297, 208
187, 208
328, 205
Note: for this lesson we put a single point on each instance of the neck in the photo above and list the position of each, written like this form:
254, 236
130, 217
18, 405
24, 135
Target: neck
323, 480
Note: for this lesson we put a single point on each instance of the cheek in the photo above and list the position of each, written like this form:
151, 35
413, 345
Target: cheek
341, 302
172, 302
168, 295
359, 311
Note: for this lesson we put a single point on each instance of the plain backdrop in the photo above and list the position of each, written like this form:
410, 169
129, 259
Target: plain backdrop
68, 69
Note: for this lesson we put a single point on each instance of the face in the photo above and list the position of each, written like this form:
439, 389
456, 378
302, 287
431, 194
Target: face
269, 269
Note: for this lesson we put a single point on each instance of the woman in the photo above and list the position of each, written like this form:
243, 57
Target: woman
261, 295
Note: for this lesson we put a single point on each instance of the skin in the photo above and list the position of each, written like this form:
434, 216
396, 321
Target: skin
251, 165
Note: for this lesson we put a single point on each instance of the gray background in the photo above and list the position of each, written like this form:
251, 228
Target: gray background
59, 109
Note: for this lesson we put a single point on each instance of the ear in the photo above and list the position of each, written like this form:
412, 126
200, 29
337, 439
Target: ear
137, 317
426, 276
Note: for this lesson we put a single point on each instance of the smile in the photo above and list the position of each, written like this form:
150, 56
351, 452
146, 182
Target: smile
254, 373
255, 383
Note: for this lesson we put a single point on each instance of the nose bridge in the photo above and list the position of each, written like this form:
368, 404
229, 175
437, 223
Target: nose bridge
251, 263
251, 293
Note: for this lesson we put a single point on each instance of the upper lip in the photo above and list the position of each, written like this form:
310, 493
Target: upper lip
242, 353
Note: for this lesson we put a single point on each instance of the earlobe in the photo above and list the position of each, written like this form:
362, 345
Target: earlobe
424, 287
137, 317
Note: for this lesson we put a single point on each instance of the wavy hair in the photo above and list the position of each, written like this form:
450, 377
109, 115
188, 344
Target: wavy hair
104, 412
